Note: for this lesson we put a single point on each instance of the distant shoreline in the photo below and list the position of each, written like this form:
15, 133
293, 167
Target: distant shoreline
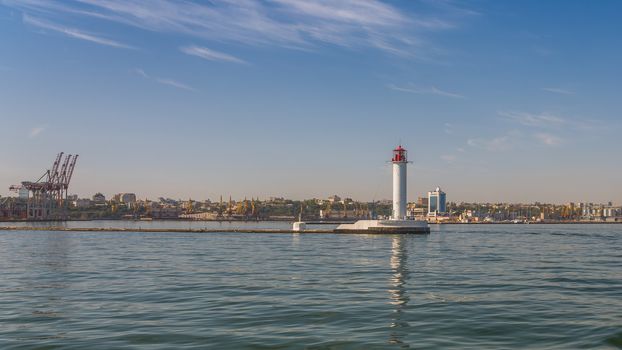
313, 222
182, 230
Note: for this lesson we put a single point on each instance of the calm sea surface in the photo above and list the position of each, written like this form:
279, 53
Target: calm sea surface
461, 287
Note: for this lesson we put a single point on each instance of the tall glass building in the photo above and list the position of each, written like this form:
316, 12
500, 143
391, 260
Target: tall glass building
437, 202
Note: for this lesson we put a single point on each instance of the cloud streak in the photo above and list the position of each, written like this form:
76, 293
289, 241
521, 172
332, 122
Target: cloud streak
449, 158
548, 139
558, 91
209, 54
174, 83
164, 81
541, 120
424, 90
497, 144
72, 32
297, 24
555, 122
34, 132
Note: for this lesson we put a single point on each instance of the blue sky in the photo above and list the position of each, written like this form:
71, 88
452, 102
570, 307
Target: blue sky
495, 100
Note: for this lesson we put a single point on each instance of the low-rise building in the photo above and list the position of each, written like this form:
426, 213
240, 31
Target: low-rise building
334, 198
611, 212
165, 212
82, 203
128, 198
99, 199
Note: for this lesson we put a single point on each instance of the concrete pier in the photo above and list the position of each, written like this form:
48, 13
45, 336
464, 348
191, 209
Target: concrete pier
210, 230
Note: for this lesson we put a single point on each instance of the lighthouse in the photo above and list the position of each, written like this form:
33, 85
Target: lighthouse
398, 222
399, 160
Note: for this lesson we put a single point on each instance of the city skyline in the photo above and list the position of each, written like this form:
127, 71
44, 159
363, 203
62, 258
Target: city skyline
495, 101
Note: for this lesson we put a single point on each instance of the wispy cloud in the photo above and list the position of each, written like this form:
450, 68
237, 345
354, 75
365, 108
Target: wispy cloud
286, 23
142, 73
497, 144
534, 120
558, 91
449, 158
209, 54
34, 132
548, 139
370, 12
413, 89
72, 32
174, 83
540, 129
165, 81
514, 140
555, 122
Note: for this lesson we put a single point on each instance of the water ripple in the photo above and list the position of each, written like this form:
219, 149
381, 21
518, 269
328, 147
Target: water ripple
462, 287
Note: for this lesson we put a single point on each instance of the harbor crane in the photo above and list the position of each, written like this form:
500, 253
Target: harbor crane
47, 196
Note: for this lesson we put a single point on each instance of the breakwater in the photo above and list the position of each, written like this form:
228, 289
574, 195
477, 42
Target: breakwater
190, 230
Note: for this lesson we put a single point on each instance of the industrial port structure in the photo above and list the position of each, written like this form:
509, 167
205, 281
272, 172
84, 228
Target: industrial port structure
47, 196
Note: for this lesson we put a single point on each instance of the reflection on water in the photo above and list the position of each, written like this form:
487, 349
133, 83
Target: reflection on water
50, 258
397, 289
54, 252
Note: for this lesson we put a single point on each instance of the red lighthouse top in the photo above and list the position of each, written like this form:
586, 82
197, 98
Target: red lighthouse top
399, 155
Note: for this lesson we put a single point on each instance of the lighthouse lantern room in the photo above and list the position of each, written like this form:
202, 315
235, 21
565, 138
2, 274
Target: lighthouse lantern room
399, 155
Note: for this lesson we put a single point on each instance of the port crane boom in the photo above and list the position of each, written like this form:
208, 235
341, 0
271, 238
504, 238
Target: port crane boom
47, 196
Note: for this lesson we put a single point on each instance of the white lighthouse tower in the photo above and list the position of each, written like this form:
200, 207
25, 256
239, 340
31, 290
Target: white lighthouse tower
398, 223
399, 161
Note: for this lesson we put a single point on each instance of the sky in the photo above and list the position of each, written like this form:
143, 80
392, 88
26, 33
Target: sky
496, 101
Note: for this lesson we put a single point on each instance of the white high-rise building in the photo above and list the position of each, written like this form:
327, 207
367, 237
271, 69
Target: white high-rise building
437, 202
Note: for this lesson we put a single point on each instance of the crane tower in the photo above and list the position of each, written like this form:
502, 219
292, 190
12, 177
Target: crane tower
47, 196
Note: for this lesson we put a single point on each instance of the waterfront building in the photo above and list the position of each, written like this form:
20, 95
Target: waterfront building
125, 198
128, 198
334, 199
82, 203
417, 212
158, 212
99, 199
611, 211
437, 202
